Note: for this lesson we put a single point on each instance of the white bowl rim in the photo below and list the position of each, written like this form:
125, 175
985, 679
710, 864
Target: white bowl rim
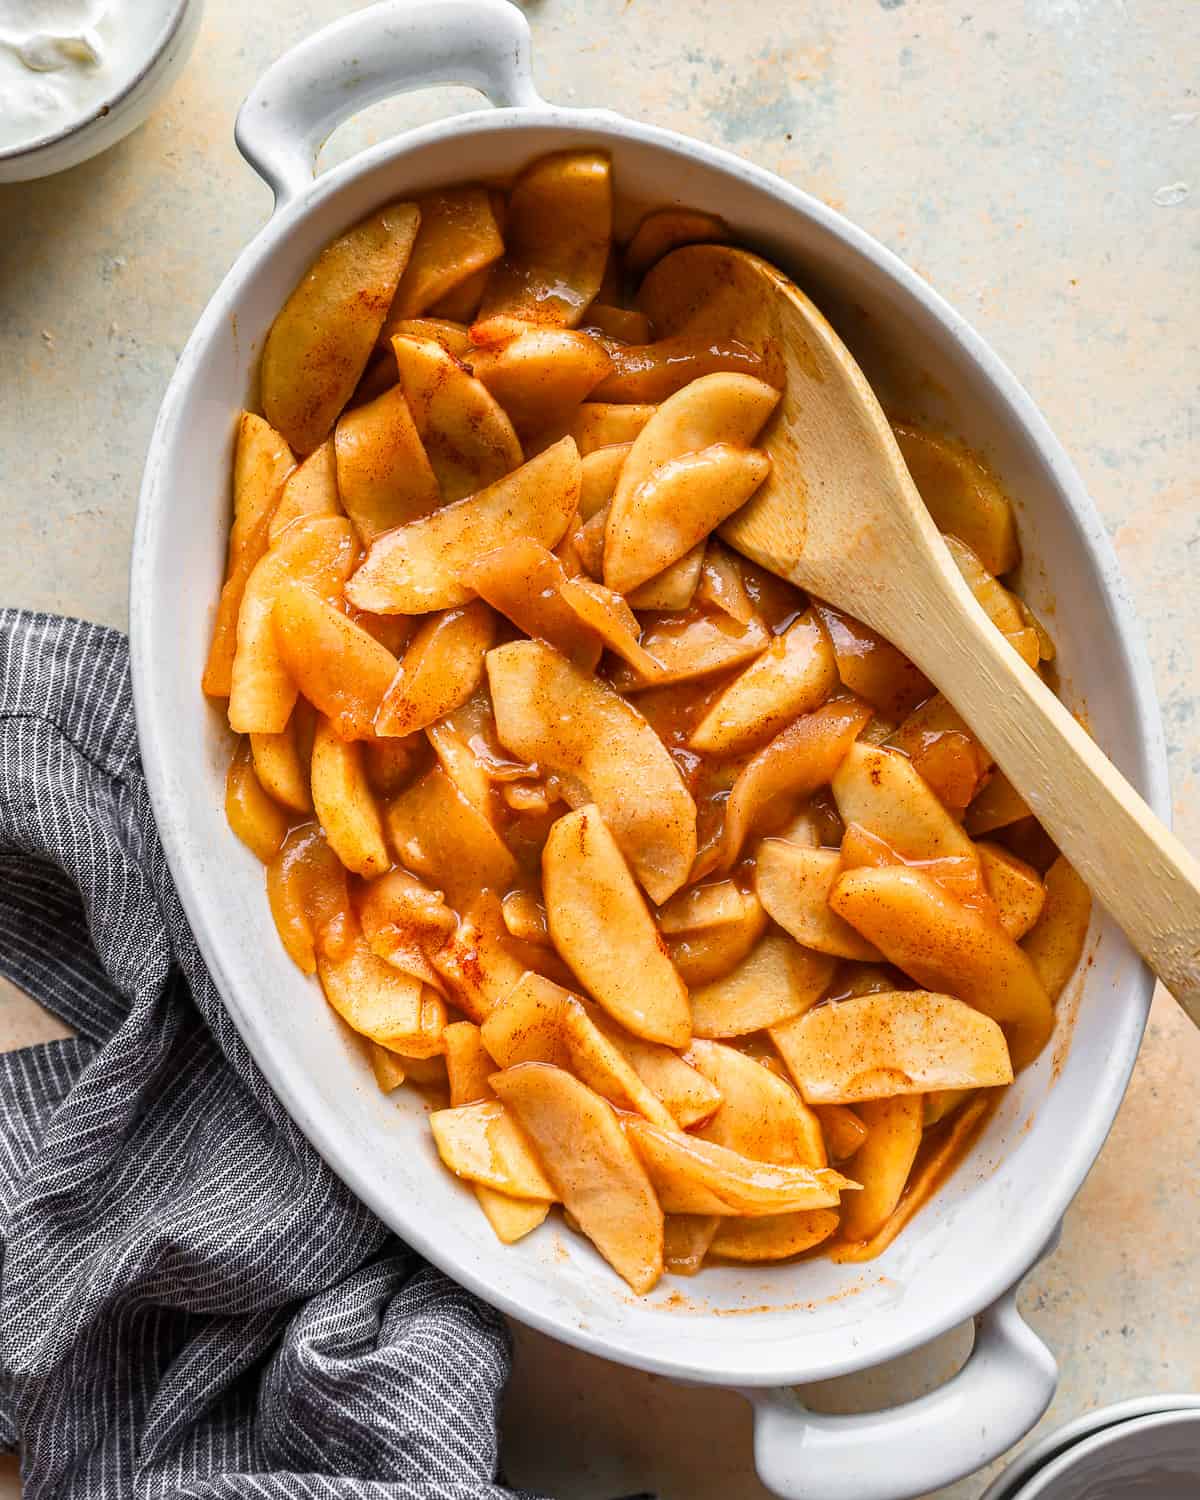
110, 103
1020, 1251
1039, 1485
1007, 1486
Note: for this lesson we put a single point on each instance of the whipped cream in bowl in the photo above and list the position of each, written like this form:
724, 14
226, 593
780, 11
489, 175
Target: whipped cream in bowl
68, 66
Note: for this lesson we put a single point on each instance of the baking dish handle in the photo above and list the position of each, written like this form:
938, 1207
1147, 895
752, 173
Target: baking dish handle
387, 49
993, 1401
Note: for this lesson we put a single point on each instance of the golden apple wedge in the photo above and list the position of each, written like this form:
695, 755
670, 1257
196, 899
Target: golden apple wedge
571, 723
591, 1165
462, 428
316, 555
603, 930
421, 566
778, 979
321, 340
904, 1042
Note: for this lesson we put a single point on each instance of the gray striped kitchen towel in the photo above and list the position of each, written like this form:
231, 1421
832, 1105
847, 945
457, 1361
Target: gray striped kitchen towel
191, 1303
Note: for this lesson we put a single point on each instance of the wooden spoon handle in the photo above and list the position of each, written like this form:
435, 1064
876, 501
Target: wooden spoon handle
1135, 866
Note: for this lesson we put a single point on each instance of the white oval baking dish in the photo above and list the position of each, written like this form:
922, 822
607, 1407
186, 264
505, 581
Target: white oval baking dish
761, 1330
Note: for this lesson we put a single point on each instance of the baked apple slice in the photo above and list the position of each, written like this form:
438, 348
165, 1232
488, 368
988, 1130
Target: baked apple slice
321, 340
591, 1165
603, 930
421, 566
904, 1042
571, 723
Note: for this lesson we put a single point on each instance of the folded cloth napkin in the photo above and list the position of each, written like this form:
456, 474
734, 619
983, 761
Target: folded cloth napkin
192, 1304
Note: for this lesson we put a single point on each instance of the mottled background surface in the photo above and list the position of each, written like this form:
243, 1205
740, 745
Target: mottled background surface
1039, 162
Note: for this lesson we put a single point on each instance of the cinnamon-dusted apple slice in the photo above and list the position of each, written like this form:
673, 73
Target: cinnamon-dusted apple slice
996, 805
526, 582
571, 723
262, 461
903, 1042
773, 1238
686, 1238
693, 1176
405, 923
685, 648
722, 408
511, 1218
1001, 607
873, 668
601, 470
943, 944
540, 376
761, 1115
345, 803
665, 229
440, 836
674, 588
320, 342
944, 751
620, 325
961, 496
882, 1163
282, 761
687, 1095
309, 490
463, 429
482, 1143
879, 790
390, 1007
793, 884
316, 555
654, 371
257, 819
310, 897
722, 585
794, 675
440, 670
844, 1132
420, 567
1015, 887
384, 477
603, 930
591, 1165
455, 338
677, 504
479, 961
539, 1021
710, 929
799, 760
341, 669
601, 424
1055, 943
776, 980
469, 1067
458, 238
557, 238
388, 1067
613, 621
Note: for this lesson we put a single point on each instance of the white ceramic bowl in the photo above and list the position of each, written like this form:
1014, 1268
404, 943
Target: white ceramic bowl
1155, 1457
758, 1329
116, 114
1011, 1484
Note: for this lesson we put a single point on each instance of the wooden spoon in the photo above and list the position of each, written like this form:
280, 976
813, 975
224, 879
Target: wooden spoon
840, 516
